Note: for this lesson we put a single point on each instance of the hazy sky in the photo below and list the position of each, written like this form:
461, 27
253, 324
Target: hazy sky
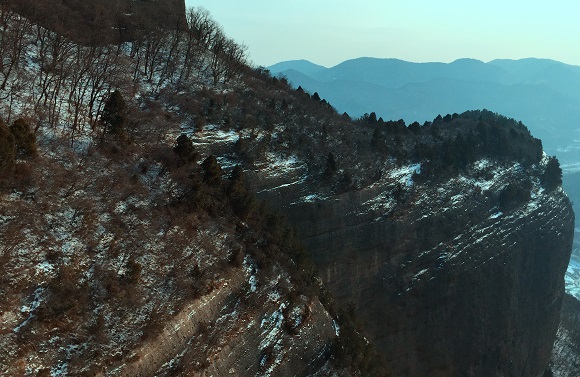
328, 32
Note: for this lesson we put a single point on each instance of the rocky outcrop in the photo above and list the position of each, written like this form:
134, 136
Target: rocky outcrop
446, 283
245, 342
460, 274
103, 21
565, 360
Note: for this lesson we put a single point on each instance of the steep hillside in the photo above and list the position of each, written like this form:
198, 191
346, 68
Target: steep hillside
133, 235
141, 263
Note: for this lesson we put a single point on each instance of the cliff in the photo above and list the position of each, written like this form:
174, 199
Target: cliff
451, 273
565, 356
446, 283
444, 287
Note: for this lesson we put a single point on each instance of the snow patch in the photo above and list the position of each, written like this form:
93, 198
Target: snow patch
60, 370
336, 327
404, 175
312, 198
36, 301
572, 278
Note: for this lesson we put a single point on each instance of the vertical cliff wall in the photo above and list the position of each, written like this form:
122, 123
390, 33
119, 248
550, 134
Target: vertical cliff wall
446, 282
454, 269
565, 360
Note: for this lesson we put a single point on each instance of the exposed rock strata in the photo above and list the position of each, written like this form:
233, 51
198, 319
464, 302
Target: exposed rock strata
446, 284
565, 360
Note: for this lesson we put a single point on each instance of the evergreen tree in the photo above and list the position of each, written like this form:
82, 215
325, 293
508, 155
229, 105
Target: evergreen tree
242, 200
415, 127
378, 142
330, 168
552, 177
184, 150
212, 171
114, 115
7, 147
24, 139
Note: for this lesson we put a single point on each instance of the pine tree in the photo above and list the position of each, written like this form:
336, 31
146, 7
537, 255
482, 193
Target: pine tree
378, 142
212, 171
241, 199
114, 115
185, 150
24, 139
7, 147
330, 168
552, 177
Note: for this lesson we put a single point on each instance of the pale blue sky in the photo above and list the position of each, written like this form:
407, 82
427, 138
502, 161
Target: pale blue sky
328, 32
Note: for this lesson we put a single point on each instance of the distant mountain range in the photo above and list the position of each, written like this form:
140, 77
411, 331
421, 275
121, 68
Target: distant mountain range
543, 94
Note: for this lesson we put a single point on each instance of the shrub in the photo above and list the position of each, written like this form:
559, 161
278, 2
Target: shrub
514, 195
7, 147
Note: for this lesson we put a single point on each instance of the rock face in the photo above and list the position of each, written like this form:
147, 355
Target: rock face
103, 21
451, 274
565, 360
445, 283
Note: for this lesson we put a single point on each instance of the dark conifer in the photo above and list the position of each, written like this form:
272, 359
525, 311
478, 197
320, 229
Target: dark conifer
242, 200
114, 115
552, 177
184, 150
212, 171
330, 168
7, 147
24, 139
378, 140
415, 127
